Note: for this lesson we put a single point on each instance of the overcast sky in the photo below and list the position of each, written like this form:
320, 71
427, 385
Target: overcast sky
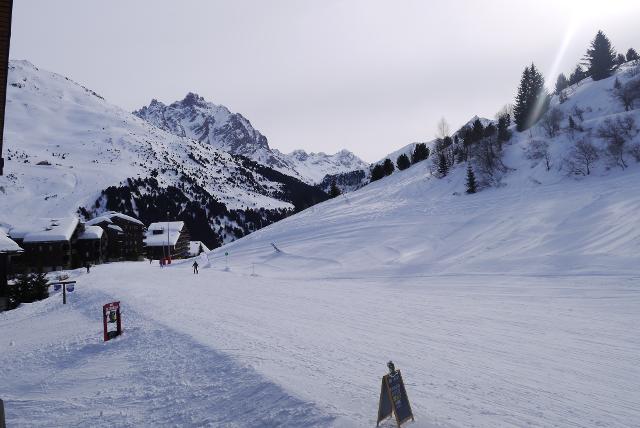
366, 75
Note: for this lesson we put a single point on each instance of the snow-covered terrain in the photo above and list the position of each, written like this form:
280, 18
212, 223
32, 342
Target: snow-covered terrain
214, 124
515, 306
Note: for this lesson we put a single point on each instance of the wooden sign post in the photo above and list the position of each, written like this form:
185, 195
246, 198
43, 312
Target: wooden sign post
393, 398
66, 286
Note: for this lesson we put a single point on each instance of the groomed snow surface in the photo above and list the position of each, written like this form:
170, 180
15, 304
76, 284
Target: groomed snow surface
517, 306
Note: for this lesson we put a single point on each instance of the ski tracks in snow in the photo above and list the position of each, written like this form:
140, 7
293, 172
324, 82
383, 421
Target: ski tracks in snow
150, 376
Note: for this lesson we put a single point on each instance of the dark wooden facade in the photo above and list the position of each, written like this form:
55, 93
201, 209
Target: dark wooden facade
178, 251
125, 237
47, 256
6, 7
132, 242
92, 251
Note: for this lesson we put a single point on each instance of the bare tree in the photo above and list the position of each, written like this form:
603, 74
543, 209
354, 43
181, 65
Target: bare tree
539, 150
488, 157
551, 122
582, 157
443, 128
617, 132
628, 93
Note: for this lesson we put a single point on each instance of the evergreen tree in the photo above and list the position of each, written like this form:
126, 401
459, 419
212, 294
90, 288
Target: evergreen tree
334, 190
443, 166
562, 83
388, 167
572, 123
403, 162
477, 131
503, 127
28, 288
420, 153
600, 57
532, 99
632, 55
577, 75
620, 59
489, 131
471, 180
377, 172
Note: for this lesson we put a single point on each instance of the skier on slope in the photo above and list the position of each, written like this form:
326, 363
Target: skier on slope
195, 266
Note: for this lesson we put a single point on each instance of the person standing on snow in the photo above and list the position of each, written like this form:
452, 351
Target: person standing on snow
195, 267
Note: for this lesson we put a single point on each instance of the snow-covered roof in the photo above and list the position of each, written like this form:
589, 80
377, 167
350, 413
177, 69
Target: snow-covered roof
160, 238
194, 248
46, 230
115, 227
91, 232
107, 216
7, 245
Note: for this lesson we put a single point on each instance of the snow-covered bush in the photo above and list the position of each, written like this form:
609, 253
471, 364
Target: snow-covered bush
28, 288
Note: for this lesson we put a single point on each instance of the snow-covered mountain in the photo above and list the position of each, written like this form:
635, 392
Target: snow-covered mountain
194, 117
314, 167
67, 148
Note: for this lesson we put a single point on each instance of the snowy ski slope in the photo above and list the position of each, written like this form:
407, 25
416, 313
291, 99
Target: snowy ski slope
516, 306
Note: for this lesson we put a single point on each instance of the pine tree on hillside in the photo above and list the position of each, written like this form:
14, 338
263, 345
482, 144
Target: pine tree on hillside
577, 75
572, 123
443, 165
471, 180
621, 59
632, 55
601, 57
532, 100
334, 190
420, 153
477, 131
561, 83
504, 120
377, 172
489, 131
388, 167
403, 162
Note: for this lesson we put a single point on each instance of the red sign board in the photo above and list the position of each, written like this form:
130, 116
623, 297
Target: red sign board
111, 315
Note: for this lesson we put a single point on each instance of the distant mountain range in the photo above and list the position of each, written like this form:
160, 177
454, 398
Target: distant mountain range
195, 118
